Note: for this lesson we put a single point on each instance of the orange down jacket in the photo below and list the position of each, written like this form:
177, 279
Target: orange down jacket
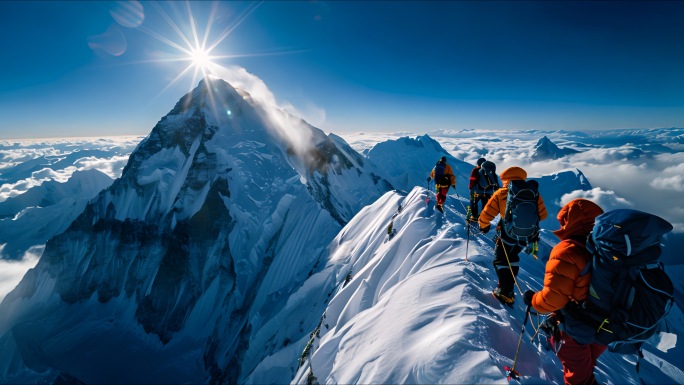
562, 280
448, 171
497, 205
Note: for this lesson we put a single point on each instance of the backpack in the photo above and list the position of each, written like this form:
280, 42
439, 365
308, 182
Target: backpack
629, 291
440, 177
521, 221
488, 182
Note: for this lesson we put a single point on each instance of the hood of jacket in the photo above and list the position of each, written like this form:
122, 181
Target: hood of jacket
576, 219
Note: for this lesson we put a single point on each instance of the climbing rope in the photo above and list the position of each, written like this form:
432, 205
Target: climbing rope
510, 268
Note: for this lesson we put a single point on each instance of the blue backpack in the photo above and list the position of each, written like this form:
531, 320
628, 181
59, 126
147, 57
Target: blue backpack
629, 294
440, 177
521, 221
487, 182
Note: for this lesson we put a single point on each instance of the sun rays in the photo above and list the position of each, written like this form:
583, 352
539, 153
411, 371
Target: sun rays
193, 41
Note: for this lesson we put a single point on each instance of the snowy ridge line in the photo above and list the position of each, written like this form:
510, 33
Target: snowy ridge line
417, 312
429, 245
306, 354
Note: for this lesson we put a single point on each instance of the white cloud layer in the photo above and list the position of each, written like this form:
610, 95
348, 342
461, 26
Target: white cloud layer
113, 166
607, 200
674, 183
18, 173
11, 272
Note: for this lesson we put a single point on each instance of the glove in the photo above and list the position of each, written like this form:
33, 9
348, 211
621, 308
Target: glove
550, 324
527, 297
485, 229
429, 179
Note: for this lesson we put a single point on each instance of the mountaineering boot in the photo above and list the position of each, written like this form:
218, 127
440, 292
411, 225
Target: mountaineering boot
507, 300
439, 207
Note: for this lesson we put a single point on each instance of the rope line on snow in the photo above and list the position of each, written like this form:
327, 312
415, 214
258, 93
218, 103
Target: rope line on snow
510, 268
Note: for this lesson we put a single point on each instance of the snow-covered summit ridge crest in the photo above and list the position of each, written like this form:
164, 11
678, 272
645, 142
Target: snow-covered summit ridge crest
235, 112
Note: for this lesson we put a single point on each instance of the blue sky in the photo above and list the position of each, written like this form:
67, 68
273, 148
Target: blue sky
101, 68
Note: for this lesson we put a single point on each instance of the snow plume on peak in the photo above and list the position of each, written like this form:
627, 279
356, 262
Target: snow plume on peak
281, 119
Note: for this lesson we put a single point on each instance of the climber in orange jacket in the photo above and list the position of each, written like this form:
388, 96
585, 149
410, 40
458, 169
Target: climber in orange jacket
444, 178
564, 283
506, 248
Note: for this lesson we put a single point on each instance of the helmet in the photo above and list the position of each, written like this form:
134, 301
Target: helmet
480, 161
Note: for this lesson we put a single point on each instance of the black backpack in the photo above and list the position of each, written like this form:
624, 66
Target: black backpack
629, 294
488, 182
521, 221
440, 177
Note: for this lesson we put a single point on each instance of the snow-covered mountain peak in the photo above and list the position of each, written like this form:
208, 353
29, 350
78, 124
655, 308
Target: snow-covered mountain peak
546, 149
408, 161
220, 215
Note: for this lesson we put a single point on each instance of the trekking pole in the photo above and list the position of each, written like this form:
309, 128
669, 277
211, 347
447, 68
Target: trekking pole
511, 373
467, 225
427, 198
468, 239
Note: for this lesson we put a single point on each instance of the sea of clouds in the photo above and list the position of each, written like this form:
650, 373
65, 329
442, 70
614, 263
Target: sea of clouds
638, 169
28, 163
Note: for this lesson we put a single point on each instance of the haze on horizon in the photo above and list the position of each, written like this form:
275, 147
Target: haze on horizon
115, 68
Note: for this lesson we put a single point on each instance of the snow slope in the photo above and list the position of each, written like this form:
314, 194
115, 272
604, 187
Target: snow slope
416, 311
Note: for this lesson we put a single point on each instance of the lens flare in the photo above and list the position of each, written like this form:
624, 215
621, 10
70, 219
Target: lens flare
192, 45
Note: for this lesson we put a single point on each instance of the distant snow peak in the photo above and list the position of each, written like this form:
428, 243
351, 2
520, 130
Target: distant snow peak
545, 149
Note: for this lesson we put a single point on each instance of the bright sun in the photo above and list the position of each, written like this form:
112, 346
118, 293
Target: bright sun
200, 59
192, 46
